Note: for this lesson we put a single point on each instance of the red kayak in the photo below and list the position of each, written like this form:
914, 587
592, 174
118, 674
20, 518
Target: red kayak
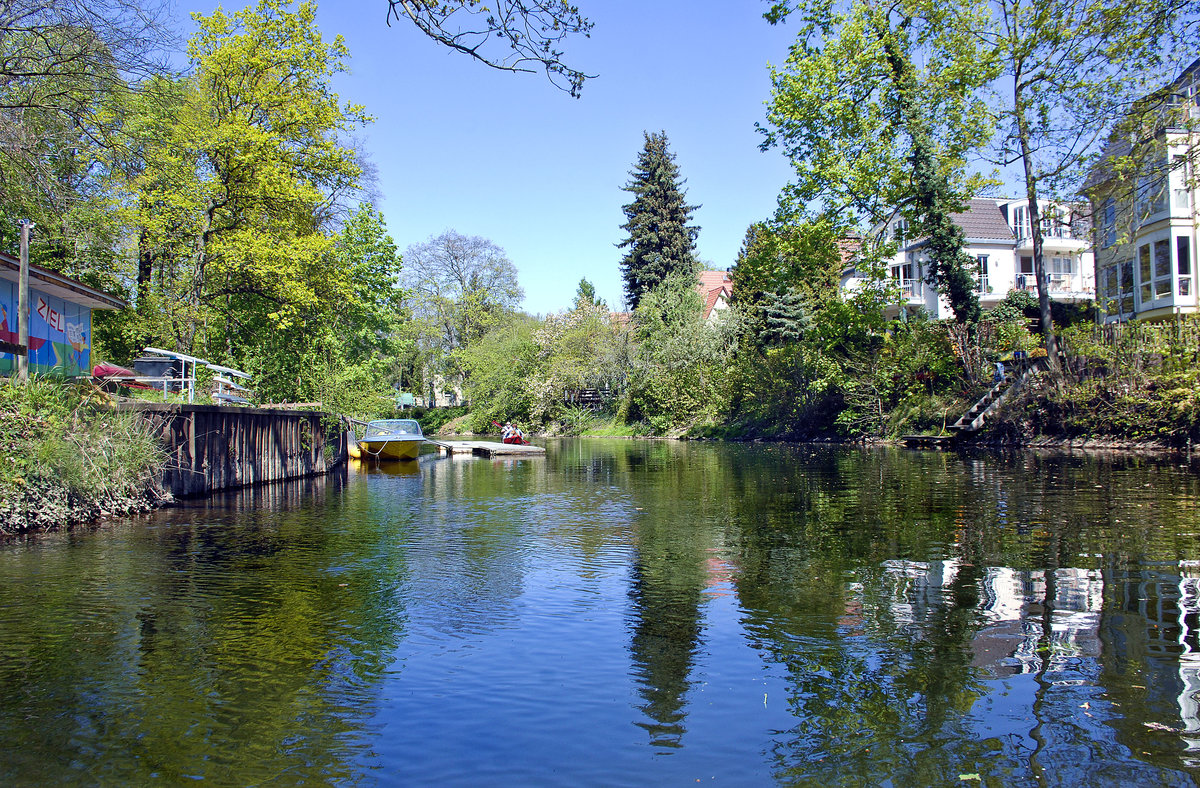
517, 438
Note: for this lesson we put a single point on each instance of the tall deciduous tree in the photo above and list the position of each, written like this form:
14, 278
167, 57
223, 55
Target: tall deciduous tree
872, 135
1072, 69
63, 67
661, 243
240, 167
462, 286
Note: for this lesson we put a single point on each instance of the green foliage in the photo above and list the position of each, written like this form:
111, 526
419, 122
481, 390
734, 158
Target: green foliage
1134, 381
63, 458
576, 350
786, 267
1017, 305
679, 365
434, 419
850, 121
872, 135
660, 241
239, 168
585, 295
499, 367
462, 287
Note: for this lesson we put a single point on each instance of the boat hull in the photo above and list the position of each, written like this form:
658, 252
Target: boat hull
390, 449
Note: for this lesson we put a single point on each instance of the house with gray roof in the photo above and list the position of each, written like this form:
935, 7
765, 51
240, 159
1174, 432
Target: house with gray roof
1000, 242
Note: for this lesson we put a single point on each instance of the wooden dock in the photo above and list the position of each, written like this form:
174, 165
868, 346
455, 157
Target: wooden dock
487, 448
929, 441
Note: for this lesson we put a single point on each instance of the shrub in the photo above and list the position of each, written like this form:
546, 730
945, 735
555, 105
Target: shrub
64, 457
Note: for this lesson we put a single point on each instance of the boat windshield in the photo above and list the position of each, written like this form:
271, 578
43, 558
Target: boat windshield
408, 428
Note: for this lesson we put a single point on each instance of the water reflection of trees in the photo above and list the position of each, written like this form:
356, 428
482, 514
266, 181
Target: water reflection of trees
209, 644
892, 587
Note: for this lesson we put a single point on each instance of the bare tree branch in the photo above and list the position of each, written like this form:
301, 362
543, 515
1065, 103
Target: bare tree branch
531, 29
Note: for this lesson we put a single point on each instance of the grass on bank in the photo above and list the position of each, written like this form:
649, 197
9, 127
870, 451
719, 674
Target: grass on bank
66, 458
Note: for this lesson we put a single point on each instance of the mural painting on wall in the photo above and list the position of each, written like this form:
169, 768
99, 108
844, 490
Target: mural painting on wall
59, 334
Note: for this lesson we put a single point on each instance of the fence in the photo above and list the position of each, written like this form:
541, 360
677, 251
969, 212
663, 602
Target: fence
215, 448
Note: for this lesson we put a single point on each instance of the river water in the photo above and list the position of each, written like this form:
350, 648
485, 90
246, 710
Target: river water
624, 613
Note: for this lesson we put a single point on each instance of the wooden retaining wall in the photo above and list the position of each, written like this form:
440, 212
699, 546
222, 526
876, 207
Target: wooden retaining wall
216, 448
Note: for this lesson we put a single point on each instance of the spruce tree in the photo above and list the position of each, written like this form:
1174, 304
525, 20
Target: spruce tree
660, 242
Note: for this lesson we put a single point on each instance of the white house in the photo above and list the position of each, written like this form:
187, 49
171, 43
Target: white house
1146, 217
999, 239
715, 287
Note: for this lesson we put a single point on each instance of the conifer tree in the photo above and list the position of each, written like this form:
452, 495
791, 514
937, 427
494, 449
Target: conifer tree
660, 242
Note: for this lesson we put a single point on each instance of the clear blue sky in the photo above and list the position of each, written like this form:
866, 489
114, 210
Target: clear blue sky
513, 159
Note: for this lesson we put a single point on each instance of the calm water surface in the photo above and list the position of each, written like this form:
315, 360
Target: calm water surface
624, 613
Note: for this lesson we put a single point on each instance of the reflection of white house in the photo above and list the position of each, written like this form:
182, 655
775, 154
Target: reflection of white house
1146, 222
1148, 615
999, 240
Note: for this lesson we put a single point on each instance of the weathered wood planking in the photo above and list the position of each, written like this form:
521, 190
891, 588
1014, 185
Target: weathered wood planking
487, 448
217, 448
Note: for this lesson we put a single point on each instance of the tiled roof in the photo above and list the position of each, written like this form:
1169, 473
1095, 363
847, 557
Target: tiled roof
710, 280
711, 285
621, 319
983, 220
711, 301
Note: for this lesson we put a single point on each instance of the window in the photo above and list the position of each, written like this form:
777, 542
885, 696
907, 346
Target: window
1162, 268
1183, 264
1126, 287
1145, 276
1061, 269
1109, 287
1054, 224
1154, 270
1109, 235
981, 263
900, 231
1021, 222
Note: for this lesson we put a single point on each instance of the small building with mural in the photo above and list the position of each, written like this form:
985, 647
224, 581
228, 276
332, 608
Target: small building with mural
60, 320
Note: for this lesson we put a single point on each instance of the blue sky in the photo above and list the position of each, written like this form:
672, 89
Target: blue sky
513, 159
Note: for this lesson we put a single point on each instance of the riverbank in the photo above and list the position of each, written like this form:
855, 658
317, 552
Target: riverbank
66, 459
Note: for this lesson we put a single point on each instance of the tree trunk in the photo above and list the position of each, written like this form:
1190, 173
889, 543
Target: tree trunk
1035, 225
145, 271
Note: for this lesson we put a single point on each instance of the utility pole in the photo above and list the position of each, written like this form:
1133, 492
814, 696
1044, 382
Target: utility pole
23, 305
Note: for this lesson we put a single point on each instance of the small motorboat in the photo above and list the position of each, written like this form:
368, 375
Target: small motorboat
391, 439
